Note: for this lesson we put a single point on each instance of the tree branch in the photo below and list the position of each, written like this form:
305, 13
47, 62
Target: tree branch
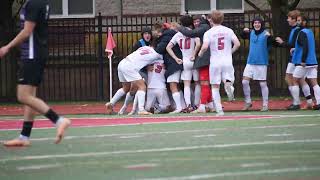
258, 9
293, 5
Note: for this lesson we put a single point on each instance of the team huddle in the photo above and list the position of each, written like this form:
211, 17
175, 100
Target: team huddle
198, 53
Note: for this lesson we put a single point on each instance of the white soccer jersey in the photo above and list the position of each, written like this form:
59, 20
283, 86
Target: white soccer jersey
156, 78
220, 40
186, 44
142, 57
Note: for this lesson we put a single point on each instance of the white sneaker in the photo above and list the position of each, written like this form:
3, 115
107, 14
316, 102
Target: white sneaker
176, 111
264, 109
132, 113
247, 106
220, 113
144, 112
109, 108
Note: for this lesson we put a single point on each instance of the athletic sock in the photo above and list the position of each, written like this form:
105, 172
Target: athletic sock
128, 99
187, 95
182, 101
205, 94
52, 116
306, 93
141, 95
264, 92
246, 90
316, 90
117, 96
217, 99
177, 99
26, 130
296, 95
197, 94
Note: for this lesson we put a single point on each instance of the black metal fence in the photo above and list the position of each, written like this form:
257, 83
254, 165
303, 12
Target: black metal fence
78, 69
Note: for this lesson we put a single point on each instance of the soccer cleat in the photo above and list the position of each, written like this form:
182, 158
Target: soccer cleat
220, 113
247, 106
264, 109
17, 143
293, 107
316, 107
144, 112
198, 111
123, 110
61, 127
109, 108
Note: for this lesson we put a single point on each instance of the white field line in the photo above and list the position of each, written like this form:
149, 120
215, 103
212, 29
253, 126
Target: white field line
248, 165
278, 135
254, 117
167, 149
37, 167
241, 173
205, 135
141, 166
175, 132
130, 137
147, 123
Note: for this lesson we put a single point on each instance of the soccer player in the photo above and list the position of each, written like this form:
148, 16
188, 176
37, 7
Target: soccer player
173, 69
220, 39
33, 39
128, 73
202, 64
292, 21
146, 37
189, 47
157, 90
305, 59
257, 62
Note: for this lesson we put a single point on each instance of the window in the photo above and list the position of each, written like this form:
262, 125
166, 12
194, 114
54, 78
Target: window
72, 8
205, 6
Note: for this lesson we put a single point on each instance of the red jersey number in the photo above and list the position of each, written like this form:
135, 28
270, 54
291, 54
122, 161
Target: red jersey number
187, 43
221, 43
158, 68
144, 51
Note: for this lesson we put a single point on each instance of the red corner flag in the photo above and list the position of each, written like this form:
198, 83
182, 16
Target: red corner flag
110, 44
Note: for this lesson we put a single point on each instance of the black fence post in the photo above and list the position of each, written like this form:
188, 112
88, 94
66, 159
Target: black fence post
100, 57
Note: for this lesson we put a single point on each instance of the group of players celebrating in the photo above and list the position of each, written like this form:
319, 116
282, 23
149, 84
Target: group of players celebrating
200, 50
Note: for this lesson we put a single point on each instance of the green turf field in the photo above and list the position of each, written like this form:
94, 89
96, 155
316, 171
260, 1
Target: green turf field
282, 148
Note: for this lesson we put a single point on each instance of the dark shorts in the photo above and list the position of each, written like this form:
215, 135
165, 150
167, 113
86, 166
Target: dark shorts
31, 72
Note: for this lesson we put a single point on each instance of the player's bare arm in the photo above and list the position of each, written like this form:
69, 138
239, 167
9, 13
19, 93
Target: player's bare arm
196, 49
204, 48
236, 44
21, 37
170, 51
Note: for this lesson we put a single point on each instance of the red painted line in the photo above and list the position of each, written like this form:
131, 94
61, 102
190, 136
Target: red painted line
77, 122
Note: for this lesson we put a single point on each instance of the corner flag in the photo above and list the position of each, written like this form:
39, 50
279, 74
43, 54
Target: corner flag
110, 44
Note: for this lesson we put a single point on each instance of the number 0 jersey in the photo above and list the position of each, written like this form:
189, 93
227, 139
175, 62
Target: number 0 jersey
186, 44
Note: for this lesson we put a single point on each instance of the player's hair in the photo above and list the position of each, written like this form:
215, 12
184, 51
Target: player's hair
186, 21
157, 26
197, 16
217, 17
294, 14
304, 20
